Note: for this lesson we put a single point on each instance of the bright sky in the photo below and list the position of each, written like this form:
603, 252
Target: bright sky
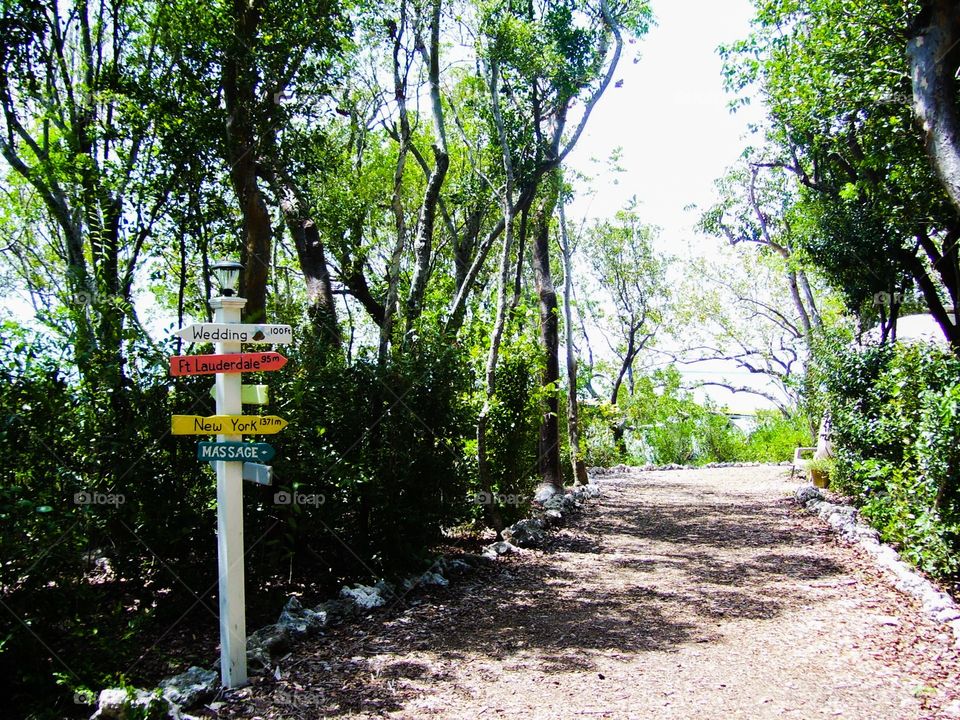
670, 115
672, 121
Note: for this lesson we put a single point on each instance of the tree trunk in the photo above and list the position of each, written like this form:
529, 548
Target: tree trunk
503, 280
396, 197
464, 245
321, 308
573, 409
240, 98
800, 307
932, 297
313, 264
619, 427
934, 53
423, 245
628, 357
549, 454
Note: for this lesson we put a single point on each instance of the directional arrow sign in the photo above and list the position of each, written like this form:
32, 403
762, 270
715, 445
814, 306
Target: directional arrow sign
235, 451
249, 394
236, 363
260, 474
215, 332
227, 425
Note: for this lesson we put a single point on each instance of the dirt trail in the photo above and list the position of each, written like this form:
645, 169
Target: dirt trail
681, 594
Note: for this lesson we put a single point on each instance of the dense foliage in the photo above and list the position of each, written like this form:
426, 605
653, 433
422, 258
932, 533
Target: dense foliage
373, 460
896, 434
668, 426
363, 162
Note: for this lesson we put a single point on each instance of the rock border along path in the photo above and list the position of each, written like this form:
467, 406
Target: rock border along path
846, 522
681, 594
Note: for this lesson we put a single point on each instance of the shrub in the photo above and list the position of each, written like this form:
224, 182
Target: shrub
513, 431
596, 436
382, 445
664, 425
896, 434
775, 437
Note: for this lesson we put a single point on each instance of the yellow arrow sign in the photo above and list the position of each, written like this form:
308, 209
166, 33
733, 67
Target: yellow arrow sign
227, 425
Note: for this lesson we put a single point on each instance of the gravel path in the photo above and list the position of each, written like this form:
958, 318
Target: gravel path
681, 594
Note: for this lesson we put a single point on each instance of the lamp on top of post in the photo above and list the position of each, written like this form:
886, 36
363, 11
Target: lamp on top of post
227, 273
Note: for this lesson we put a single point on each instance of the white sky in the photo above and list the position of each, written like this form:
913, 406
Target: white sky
677, 135
670, 115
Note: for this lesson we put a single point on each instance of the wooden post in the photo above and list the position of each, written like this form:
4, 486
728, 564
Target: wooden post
233, 624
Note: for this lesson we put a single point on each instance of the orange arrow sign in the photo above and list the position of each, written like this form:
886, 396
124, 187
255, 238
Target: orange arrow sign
236, 363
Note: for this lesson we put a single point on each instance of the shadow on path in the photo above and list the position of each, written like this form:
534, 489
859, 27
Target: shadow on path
631, 575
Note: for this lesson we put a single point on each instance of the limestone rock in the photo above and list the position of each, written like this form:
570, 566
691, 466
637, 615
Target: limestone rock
544, 492
266, 644
806, 493
525, 533
846, 522
494, 550
336, 609
301, 622
456, 567
191, 687
366, 597
127, 704
428, 578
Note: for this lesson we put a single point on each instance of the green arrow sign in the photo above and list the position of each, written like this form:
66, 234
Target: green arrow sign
235, 451
249, 394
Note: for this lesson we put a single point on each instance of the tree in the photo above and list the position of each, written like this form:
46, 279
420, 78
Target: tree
734, 312
239, 65
80, 133
567, 250
836, 79
760, 200
630, 274
548, 57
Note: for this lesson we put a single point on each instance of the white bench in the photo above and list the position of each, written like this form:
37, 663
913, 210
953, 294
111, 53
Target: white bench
799, 461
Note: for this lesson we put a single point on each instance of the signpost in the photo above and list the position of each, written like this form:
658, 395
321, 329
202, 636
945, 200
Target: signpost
219, 332
232, 363
232, 424
233, 621
233, 459
235, 451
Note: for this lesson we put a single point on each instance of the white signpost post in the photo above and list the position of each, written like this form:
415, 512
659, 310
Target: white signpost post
233, 623
228, 363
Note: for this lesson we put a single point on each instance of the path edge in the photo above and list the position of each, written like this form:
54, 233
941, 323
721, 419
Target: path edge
847, 524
